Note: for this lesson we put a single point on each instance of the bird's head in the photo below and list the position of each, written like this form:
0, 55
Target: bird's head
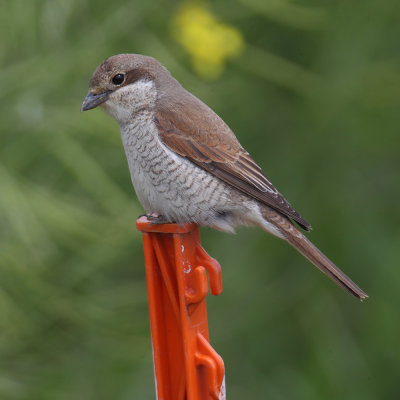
124, 85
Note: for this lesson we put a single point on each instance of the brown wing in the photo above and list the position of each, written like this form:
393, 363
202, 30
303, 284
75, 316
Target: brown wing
191, 129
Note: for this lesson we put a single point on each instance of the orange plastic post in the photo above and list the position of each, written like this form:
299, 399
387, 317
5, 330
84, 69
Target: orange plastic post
186, 367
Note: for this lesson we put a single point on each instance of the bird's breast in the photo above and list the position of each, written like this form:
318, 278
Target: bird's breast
165, 182
172, 186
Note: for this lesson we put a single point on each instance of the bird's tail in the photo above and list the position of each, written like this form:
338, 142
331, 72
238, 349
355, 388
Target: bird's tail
312, 253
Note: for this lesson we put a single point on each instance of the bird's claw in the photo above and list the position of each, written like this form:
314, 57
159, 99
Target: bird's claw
156, 219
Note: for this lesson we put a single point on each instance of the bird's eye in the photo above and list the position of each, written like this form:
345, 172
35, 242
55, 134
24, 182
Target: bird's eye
118, 79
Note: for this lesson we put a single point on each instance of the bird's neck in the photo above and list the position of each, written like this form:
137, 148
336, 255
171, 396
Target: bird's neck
129, 103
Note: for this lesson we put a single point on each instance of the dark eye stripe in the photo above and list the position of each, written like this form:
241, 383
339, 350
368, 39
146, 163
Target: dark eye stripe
137, 74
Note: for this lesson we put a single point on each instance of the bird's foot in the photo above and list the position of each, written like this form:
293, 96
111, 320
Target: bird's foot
157, 219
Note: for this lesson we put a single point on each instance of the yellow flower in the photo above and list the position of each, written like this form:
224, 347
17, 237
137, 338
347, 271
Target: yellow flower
208, 41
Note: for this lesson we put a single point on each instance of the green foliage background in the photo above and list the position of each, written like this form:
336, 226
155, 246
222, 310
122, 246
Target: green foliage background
314, 97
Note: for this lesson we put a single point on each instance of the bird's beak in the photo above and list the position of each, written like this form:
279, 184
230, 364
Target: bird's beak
94, 100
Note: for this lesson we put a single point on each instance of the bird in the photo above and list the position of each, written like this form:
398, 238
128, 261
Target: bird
187, 165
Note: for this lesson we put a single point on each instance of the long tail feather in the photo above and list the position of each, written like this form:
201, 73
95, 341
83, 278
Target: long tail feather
312, 253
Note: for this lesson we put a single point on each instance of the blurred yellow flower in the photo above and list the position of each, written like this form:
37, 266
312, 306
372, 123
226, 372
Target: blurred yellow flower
208, 41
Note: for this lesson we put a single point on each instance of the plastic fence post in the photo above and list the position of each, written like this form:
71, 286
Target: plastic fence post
186, 367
